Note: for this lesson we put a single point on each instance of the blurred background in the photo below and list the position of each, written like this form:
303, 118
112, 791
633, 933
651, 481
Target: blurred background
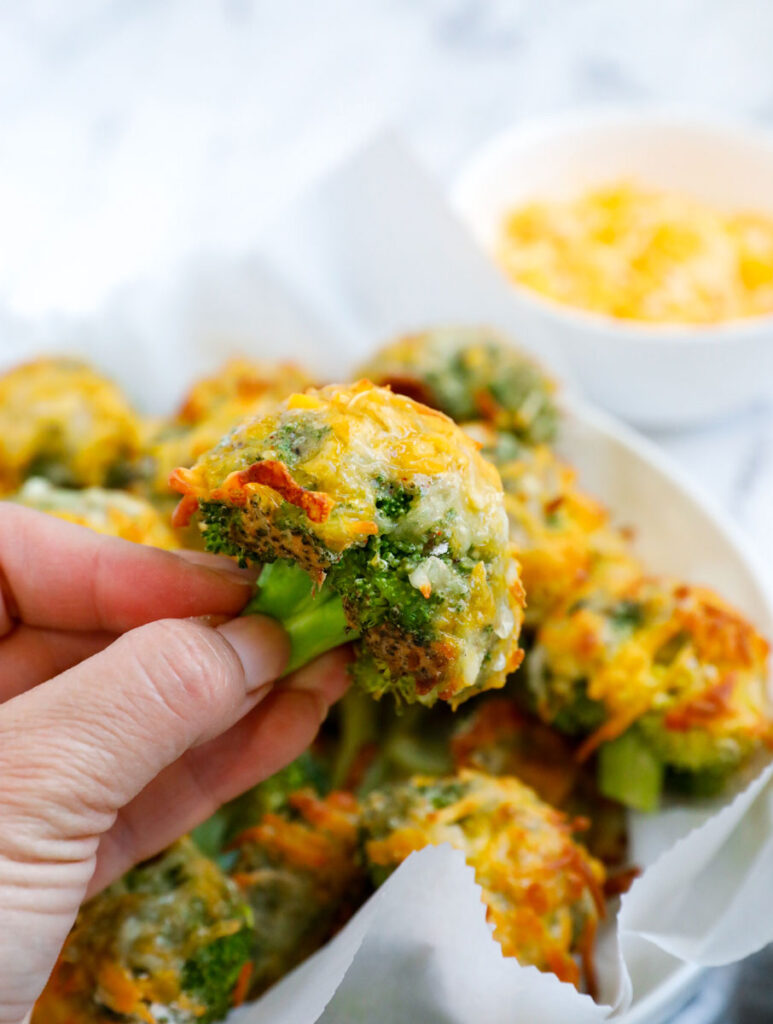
135, 131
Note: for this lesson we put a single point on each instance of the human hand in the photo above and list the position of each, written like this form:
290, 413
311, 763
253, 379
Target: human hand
132, 705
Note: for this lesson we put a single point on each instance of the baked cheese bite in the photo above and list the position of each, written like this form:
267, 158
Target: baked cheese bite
62, 420
113, 513
543, 892
214, 405
170, 942
664, 679
499, 738
562, 534
470, 373
299, 869
388, 507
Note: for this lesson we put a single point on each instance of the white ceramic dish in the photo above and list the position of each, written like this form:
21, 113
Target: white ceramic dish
655, 376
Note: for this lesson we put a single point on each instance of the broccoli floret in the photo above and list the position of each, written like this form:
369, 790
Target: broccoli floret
374, 676
214, 835
221, 527
375, 586
392, 499
209, 976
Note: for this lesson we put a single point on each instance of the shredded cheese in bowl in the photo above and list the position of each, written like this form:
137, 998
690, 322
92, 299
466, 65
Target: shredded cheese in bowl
642, 254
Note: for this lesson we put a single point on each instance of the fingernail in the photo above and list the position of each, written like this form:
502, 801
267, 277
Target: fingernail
223, 566
261, 645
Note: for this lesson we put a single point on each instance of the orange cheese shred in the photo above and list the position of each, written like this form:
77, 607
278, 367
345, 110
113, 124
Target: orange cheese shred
275, 475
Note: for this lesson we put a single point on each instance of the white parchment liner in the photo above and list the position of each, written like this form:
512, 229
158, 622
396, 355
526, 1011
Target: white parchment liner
372, 251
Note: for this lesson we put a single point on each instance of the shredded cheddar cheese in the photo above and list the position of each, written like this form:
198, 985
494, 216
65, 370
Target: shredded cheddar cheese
642, 254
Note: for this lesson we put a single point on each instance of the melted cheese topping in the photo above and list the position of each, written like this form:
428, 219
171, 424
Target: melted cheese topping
642, 254
542, 890
367, 434
60, 411
113, 513
126, 952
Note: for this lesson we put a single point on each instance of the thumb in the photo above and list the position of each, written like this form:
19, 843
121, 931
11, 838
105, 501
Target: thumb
75, 750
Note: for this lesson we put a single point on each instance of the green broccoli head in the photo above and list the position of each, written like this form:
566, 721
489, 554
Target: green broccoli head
471, 373
211, 974
398, 524
170, 941
215, 834
667, 679
299, 869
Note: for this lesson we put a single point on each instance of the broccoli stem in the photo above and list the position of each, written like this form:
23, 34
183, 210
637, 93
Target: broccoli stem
630, 772
357, 715
312, 617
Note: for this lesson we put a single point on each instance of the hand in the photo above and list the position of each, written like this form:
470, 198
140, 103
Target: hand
132, 705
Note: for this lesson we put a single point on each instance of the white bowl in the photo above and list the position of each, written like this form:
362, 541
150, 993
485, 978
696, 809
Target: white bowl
653, 375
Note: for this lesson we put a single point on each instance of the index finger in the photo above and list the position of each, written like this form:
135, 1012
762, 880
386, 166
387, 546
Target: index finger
54, 574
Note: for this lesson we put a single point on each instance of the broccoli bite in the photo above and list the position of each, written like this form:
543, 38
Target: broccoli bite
542, 891
113, 513
662, 677
214, 836
213, 406
169, 943
498, 738
563, 536
61, 420
299, 869
385, 525
471, 373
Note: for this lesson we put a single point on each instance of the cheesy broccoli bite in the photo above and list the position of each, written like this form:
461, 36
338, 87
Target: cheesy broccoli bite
213, 406
388, 508
470, 373
499, 738
299, 869
665, 680
113, 513
542, 891
61, 420
563, 535
169, 942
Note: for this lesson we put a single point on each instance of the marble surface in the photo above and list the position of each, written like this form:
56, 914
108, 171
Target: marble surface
134, 131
